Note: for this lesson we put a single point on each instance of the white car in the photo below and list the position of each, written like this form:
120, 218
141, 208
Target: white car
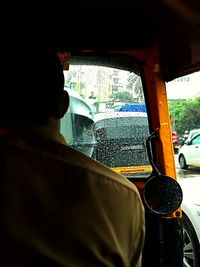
191, 220
192, 133
189, 153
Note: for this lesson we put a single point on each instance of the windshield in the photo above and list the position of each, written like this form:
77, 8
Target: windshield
118, 119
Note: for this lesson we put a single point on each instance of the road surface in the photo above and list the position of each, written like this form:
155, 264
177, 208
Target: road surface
190, 172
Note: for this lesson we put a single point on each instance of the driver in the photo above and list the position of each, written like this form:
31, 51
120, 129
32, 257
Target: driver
58, 207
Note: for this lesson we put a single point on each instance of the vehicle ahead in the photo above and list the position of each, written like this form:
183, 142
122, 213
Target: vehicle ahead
191, 220
121, 142
189, 153
175, 141
77, 125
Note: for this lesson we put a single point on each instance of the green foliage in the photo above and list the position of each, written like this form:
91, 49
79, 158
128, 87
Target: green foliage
122, 97
135, 84
185, 114
74, 85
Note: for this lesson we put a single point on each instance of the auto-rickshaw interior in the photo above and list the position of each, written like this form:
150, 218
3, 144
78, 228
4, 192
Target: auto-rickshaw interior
130, 25
158, 40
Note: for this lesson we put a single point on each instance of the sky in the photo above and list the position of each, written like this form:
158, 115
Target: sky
185, 87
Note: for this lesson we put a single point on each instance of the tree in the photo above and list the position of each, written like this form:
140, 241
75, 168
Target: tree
185, 113
135, 84
191, 115
122, 97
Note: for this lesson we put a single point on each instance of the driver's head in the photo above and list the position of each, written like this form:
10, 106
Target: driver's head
33, 87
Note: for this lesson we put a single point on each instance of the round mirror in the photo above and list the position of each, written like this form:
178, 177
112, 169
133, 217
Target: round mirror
162, 194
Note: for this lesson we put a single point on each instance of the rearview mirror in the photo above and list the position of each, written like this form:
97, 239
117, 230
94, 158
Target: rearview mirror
162, 194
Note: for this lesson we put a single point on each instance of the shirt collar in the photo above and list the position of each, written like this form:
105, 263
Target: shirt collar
41, 130
50, 133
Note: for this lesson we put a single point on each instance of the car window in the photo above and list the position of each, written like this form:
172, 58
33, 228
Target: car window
117, 126
196, 140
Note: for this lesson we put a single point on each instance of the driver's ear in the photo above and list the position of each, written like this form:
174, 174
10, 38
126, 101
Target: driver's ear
64, 104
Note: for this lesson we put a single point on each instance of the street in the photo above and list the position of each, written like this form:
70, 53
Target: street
190, 172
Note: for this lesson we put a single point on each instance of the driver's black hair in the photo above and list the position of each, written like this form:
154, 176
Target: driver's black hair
32, 85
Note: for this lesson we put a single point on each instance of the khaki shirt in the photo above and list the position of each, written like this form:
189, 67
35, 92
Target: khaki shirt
61, 208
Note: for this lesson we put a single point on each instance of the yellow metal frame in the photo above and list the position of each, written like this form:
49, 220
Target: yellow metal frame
157, 104
156, 98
